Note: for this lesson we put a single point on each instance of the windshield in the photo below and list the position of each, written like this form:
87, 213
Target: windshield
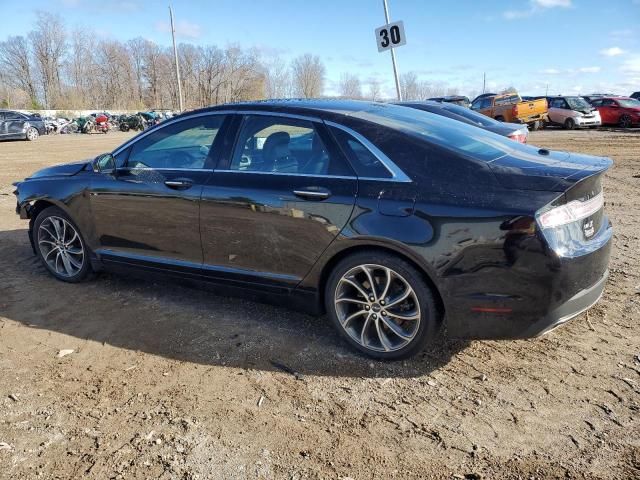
469, 114
450, 134
629, 103
578, 103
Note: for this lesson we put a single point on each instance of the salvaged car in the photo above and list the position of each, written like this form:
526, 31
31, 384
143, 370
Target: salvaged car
17, 125
511, 108
391, 220
514, 131
621, 111
572, 112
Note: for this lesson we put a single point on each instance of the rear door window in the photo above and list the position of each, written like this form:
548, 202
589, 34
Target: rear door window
277, 144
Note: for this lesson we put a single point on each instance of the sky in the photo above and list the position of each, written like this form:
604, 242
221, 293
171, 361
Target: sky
537, 46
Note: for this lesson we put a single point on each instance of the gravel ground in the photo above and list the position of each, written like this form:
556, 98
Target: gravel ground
170, 382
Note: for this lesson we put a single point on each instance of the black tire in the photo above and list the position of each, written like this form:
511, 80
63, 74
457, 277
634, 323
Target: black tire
85, 270
625, 121
569, 124
429, 316
537, 125
32, 134
499, 118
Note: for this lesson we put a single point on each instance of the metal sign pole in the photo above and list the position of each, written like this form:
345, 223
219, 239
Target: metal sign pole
175, 54
393, 54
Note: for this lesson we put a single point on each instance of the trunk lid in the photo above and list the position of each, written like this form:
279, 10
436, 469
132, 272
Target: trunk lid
541, 169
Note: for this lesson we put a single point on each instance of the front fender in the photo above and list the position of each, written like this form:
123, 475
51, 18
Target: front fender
69, 194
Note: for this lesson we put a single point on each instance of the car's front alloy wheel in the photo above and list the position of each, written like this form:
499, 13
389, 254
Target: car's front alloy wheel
32, 134
60, 246
382, 306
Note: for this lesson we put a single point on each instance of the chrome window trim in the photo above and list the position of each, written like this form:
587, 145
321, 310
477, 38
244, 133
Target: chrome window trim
396, 173
310, 175
164, 124
288, 174
168, 169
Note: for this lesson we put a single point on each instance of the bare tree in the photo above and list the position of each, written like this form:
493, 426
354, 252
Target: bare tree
277, 78
308, 75
375, 90
136, 48
509, 90
49, 47
15, 64
350, 86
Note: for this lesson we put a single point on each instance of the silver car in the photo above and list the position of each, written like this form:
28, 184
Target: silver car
572, 112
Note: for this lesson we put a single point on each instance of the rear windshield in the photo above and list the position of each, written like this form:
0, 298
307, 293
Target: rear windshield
507, 100
469, 114
451, 134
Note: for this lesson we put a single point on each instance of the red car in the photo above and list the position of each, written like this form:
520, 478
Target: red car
623, 111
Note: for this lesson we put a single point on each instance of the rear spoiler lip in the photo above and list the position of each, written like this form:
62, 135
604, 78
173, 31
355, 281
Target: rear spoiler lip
515, 179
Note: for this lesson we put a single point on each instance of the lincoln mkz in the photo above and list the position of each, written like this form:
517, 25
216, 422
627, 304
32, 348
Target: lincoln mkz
393, 221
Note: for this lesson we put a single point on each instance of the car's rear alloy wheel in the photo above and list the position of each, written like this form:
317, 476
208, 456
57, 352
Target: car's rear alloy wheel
32, 134
625, 121
60, 246
382, 306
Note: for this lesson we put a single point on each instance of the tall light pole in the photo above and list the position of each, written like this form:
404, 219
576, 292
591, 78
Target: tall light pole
175, 54
393, 54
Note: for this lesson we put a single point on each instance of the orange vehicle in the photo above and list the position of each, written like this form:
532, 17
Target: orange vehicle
511, 108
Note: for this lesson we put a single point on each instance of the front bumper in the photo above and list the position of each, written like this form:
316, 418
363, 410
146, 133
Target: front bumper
594, 121
573, 307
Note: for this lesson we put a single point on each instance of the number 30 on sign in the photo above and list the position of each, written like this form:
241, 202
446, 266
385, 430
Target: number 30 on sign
390, 36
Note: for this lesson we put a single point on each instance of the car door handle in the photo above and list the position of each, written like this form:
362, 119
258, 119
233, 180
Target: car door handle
313, 193
179, 183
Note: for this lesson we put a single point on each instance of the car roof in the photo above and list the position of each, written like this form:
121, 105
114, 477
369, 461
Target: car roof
319, 107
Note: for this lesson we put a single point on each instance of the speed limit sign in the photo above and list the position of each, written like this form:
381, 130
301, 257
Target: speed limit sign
390, 35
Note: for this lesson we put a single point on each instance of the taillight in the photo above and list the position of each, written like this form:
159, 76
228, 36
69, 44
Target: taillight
518, 137
571, 212
514, 110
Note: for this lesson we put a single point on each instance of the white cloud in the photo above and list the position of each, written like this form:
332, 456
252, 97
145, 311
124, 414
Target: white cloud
552, 3
570, 71
612, 52
536, 6
632, 65
184, 28
624, 33
515, 14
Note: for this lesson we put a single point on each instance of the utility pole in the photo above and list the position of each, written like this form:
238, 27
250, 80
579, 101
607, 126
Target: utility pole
393, 54
546, 93
175, 54
484, 81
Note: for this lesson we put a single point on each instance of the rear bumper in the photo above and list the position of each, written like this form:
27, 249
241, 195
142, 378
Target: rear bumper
573, 307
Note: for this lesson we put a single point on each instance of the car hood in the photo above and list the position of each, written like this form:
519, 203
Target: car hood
545, 169
64, 170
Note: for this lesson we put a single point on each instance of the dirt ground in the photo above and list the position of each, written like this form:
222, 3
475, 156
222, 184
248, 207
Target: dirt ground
171, 382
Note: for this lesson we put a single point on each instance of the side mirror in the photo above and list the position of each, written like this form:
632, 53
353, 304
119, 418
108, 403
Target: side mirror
104, 163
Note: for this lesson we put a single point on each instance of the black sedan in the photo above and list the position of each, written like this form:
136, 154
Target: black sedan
391, 220
514, 131
17, 125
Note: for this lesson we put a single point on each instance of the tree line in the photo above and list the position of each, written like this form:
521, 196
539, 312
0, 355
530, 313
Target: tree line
52, 67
